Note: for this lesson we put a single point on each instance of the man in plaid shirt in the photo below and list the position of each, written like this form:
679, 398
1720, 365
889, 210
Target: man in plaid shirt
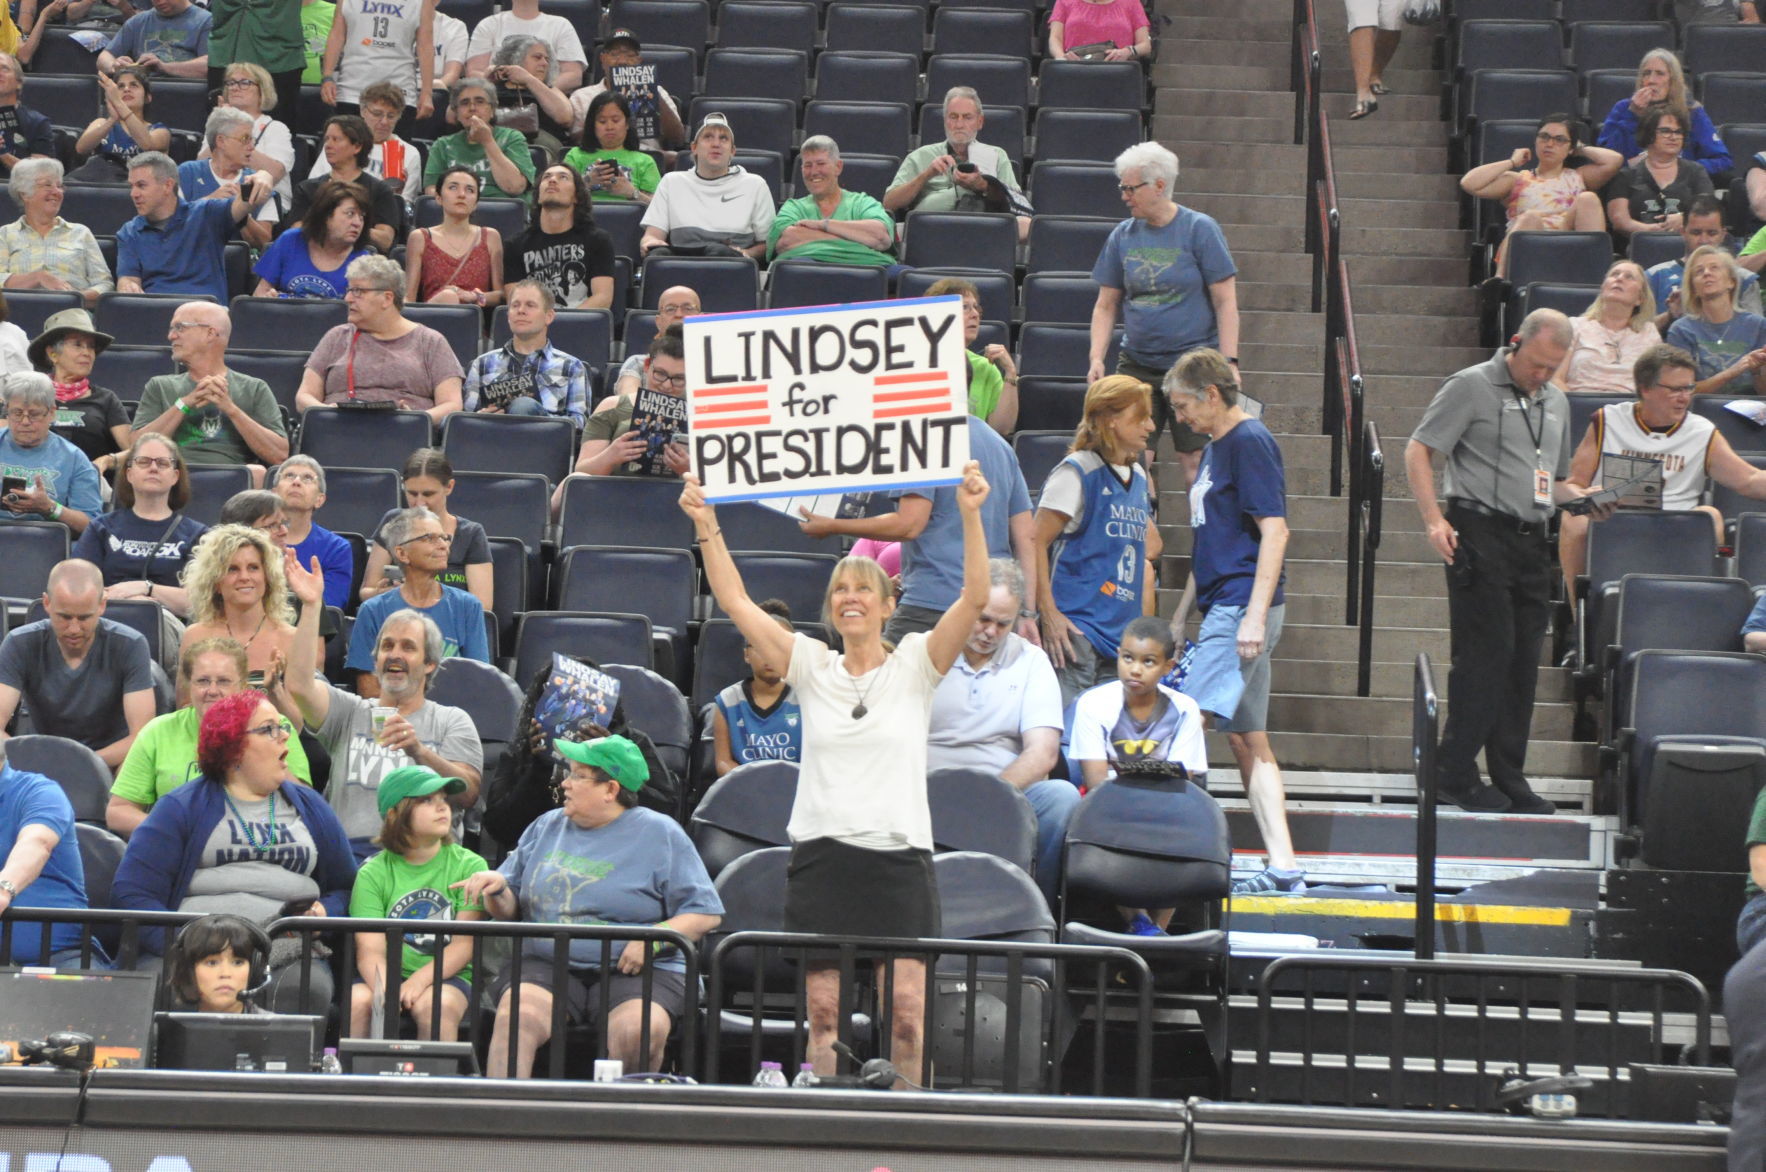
528, 375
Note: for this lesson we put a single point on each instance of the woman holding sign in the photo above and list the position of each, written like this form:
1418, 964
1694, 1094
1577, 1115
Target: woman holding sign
861, 829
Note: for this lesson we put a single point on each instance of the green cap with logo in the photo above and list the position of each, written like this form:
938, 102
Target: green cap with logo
616, 756
414, 781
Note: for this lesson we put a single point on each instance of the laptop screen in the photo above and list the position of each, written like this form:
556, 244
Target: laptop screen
115, 1008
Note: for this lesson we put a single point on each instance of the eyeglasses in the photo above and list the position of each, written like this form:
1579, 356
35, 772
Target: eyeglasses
297, 476
275, 730
240, 83
180, 327
25, 416
164, 463
206, 682
358, 290
677, 381
432, 538
1670, 132
1557, 139
1131, 188
679, 309
1677, 388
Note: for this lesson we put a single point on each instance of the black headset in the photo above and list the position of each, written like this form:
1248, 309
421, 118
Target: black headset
258, 977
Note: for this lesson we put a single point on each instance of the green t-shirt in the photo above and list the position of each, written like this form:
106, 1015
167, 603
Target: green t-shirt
854, 205
315, 23
985, 384
454, 150
388, 888
265, 32
1756, 836
641, 166
208, 437
163, 758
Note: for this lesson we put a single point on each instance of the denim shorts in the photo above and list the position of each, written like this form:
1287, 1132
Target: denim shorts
1235, 690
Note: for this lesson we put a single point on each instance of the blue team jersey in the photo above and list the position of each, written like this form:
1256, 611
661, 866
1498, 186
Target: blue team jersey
773, 735
1098, 571
1240, 480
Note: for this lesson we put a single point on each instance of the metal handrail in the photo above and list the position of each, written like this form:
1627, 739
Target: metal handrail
1425, 726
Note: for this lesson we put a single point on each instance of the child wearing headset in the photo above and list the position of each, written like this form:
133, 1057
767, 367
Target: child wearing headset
218, 963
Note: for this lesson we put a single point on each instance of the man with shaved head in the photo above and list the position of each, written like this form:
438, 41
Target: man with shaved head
215, 415
81, 676
676, 303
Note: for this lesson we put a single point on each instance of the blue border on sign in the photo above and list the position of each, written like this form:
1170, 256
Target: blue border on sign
761, 496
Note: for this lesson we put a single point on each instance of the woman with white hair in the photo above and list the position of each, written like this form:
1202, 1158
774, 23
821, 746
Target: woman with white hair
1662, 82
228, 140
523, 68
40, 250
380, 355
1167, 272
60, 484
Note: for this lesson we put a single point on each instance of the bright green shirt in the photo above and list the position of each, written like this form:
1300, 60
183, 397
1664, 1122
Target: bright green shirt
454, 150
315, 24
265, 32
644, 175
985, 384
388, 888
854, 205
163, 758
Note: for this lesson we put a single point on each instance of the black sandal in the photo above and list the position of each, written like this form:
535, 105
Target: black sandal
1379, 89
1363, 109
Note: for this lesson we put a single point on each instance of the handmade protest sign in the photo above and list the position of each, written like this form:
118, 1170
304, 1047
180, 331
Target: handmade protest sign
834, 399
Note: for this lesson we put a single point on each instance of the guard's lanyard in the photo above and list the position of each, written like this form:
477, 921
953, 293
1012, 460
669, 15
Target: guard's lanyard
1541, 478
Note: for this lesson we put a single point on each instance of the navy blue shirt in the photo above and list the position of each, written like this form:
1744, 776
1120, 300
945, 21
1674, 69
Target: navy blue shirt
126, 548
1240, 480
34, 134
185, 254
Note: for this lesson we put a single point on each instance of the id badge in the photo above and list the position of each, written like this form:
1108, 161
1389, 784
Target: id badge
1541, 487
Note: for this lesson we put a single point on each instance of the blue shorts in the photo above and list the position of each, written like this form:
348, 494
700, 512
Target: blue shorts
1234, 690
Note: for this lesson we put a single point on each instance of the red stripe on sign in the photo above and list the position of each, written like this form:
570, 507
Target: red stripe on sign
726, 408
750, 389
718, 424
896, 412
886, 380
939, 392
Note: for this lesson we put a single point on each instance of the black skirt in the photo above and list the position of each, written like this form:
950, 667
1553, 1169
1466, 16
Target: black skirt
835, 889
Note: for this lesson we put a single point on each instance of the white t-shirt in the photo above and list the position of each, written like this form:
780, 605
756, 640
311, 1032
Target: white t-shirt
1175, 734
557, 32
451, 40
276, 141
410, 187
13, 347
979, 718
1064, 490
863, 780
378, 45
736, 207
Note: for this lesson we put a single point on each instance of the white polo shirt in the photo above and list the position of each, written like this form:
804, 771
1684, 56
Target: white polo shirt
980, 715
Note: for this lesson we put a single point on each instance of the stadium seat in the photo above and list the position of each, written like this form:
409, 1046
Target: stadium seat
640, 331
1733, 48
883, 28
28, 308
744, 811
1086, 135
801, 283
666, 22
1750, 549
1047, 348
994, 286
770, 166
1743, 434
1050, 403
1604, 88
211, 486
507, 216
1571, 300
1074, 189
1039, 452
677, 70
763, 122
604, 638
1508, 44
1066, 244
871, 174
510, 443
660, 584
747, 525
974, 810
282, 369
1735, 97
124, 370
68, 101
59, 53
362, 439
101, 853
140, 319
1059, 297
1672, 613
488, 696
1583, 405
459, 324
717, 659
1000, 79
724, 283
620, 222
1518, 93
656, 707
1615, 44
850, 75
1652, 248
767, 24
28, 551
971, 240
264, 323
81, 773
582, 333
1635, 542
755, 73
983, 30
800, 580
1003, 127
357, 498
507, 504
511, 592
1091, 85
872, 128
1577, 11
1731, 503
623, 510
1559, 258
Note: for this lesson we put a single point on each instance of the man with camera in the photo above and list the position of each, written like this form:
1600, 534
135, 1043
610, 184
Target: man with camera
959, 174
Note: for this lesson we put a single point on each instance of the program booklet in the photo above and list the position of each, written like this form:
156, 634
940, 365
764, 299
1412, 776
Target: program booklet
637, 83
842, 506
574, 691
1622, 485
661, 418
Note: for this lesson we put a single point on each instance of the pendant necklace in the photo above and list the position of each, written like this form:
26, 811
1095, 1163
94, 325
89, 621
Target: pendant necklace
859, 709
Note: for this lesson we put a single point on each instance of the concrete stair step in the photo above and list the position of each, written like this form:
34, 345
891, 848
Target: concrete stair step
1389, 610
1271, 130
1179, 51
1401, 329
1290, 298
1230, 180
1292, 328
1391, 754
1322, 545
1379, 129
1285, 155
1398, 108
1437, 360
1400, 213
1288, 209
1341, 80
1324, 677
1277, 77
1325, 832
1307, 511
1383, 185
1377, 716
1342, 790
1426, 271
1242, 237
1391, 577
1292, 407
1424, 159
1436, 241
1232, 102
1452, 301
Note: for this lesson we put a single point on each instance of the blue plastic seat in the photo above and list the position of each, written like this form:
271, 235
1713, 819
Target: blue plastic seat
140, 319
756, 73
971, 240
877, 128
1000, 79
850, 75
263, 323
768, 24
507, 216
885, 28
724, 284
363, 439
623, 510
1066, 244
1086, 135
667, 22
1091, 85
801, 283
1062, 188
357, 498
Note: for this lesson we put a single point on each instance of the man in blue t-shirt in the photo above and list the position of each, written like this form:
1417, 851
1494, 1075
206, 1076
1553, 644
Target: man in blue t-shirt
174, 246
420, 548
39, 862
1238, 513
172, 38
1167, 271
1703, 225
929, 526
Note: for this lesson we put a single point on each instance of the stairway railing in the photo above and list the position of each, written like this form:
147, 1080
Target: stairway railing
1343, 414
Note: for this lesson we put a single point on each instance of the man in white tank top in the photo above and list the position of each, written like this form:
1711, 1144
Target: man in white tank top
1658, 425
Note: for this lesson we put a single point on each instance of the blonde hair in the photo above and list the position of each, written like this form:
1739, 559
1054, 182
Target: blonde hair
217, 645
209, 561
1104, 400
1643, 313
1690, 300
866, 570
265, 83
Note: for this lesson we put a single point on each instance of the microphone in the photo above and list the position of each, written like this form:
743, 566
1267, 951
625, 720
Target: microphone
877, 1073
67, 1050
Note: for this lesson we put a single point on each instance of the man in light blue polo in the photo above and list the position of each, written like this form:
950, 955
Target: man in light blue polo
174, 246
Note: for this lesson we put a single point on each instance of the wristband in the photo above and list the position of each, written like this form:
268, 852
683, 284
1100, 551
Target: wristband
183, 407
55, 512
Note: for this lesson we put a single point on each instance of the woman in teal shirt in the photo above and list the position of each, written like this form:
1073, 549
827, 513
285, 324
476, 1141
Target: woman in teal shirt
615, 168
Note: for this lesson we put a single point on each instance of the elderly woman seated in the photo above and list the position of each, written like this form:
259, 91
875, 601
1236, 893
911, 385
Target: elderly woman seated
245, 840
380, 355
47, 478
40, 250
648, 874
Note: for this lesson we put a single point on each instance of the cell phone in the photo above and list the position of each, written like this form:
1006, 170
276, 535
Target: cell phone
967, 168
393, 573
14, 484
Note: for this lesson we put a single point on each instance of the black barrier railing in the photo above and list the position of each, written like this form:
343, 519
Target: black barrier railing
1489, 1015
1026, 976
106, 934
1366, 516
1425, 735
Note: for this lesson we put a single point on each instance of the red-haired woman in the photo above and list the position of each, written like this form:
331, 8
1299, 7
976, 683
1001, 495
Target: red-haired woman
244, 840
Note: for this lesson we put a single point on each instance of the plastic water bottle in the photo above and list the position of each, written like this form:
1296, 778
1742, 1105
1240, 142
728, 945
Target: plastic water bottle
328, 1063
772, 1074
806, 1077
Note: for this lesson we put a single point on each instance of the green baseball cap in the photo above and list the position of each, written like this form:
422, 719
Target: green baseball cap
414, 781
615, 756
